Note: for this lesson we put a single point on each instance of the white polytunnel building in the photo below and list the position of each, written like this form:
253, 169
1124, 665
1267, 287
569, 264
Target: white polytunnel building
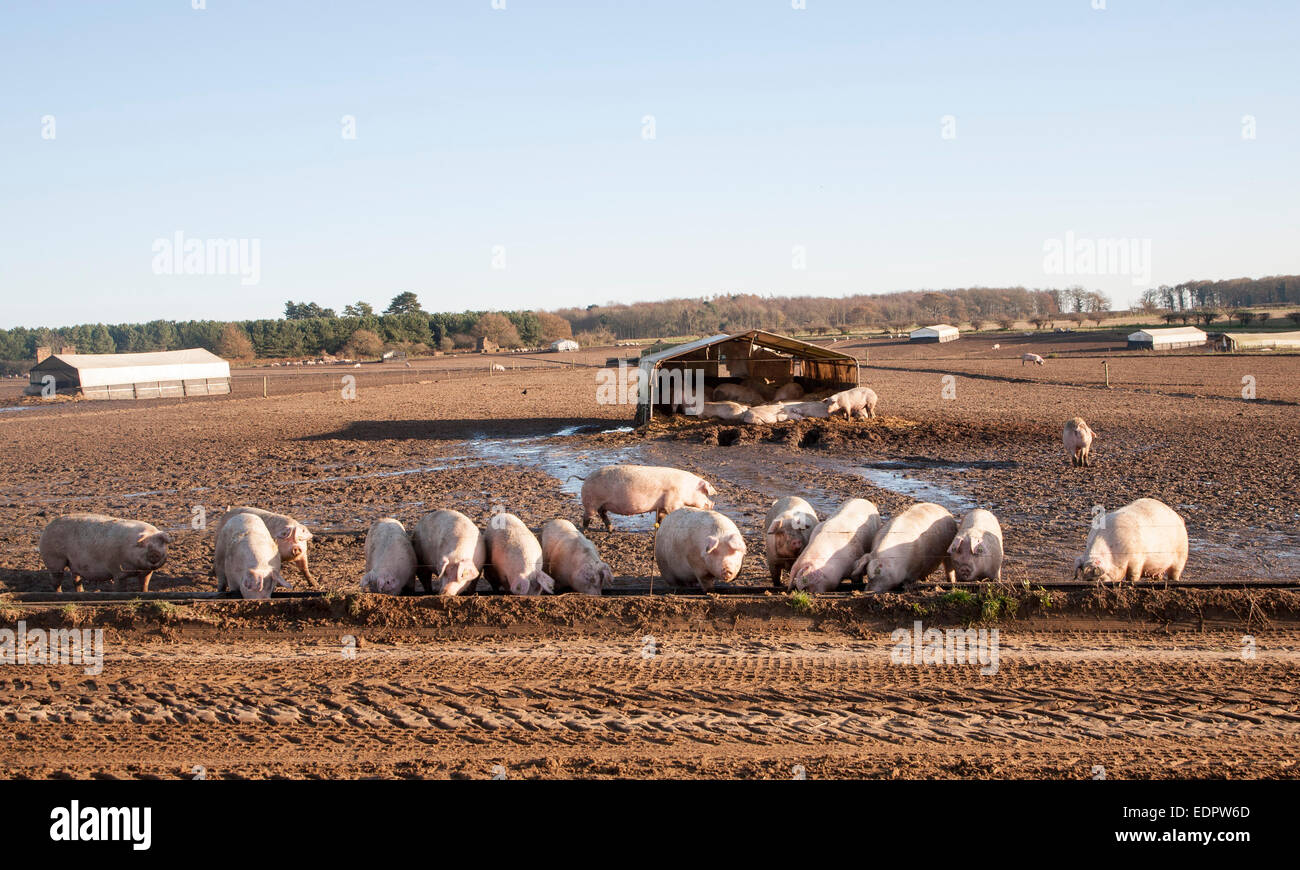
939, 332
1166, 339
172, 373
564, 345
1261, 340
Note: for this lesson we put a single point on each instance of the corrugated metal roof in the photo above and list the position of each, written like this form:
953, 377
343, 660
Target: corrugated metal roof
123, 360
1171, 332
935, 329
757, 336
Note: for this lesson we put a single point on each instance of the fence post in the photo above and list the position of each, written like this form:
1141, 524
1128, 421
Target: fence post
1106, 365
264, 384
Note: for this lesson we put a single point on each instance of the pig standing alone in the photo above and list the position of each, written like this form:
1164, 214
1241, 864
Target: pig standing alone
976, 552
572, 560
699, 545
290, 536
835, 545
1077, 437
248, 559
514, 558
787, 528
1030, 358
95, 547
635, 489
390, 558
448, 546
909, 547
857, 402
1146, 537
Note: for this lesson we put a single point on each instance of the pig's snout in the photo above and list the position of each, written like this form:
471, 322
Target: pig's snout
295, 551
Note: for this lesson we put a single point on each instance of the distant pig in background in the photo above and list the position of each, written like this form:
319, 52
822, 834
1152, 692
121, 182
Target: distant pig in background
572, 560
1145, 538
636, 489
1077, 437
390, 558
290, 536
95, 547
1030, 358
786, 530
976, 552
249, 559
699, 545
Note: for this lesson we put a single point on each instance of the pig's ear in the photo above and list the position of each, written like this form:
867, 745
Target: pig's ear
547, 583
711, 544
772, 529
288, 533
977, 546
166, 537
442, 568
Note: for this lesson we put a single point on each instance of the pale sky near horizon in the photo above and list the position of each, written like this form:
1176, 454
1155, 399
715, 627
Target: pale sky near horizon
777, 131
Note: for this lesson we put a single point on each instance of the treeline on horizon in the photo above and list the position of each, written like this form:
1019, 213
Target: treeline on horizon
307, 329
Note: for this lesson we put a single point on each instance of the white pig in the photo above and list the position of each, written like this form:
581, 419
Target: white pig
290, 536
787, 528
908, 548
857, 402
976, 552
699, 545
95, 547
835, 545
636, 489
1077, 437
249, 560
448, 546
1030, 358
573, 560
807, 410
390, 558
728, 412
1145, 538
790, 392
514, 558
737, 393
765, 415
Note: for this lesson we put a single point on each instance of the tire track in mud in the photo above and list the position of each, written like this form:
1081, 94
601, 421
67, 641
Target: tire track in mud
424, 709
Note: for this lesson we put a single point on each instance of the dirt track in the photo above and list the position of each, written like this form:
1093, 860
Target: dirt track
722, 696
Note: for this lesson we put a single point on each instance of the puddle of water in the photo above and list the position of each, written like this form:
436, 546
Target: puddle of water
17, 408
919, 489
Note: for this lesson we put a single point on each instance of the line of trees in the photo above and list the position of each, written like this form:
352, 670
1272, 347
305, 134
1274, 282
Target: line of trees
308, 329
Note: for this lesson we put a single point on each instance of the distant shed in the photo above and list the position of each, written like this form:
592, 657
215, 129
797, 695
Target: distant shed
736, 358
172, 373
564, 345
1166, 339
939, 332
1260, 340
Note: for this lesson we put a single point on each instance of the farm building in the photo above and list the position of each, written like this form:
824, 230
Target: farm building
193, 372
1259, 340
940, 332
486, 345
564, 345
736, 358
1166, 339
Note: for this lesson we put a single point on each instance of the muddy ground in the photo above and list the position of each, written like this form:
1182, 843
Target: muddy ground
745, 694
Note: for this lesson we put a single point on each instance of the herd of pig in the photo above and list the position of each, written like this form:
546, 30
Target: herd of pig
447, 553
756, 402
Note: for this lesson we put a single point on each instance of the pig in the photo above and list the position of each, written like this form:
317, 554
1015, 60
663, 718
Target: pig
514, 558
1077, 437
290, 535
908, 548
976, 552
788, 526
497, 367
1143, 538
737, 393
635, 489
448, 546
248, 559
790, 392
573, 560
728, 412
390, 558
95, 547
859, 401
765, 415
699, 545
807, 410
835, 545
1030, 358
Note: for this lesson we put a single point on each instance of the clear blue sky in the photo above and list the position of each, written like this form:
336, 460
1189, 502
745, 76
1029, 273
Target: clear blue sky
522, 128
